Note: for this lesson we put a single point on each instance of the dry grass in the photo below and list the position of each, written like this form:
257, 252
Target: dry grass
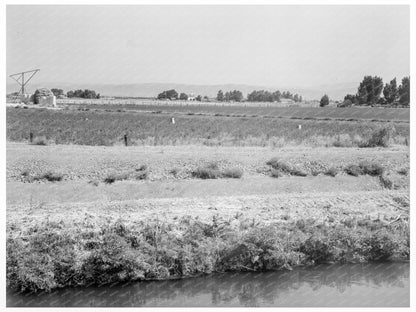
211, 171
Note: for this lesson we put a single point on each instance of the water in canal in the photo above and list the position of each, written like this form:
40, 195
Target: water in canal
352, 285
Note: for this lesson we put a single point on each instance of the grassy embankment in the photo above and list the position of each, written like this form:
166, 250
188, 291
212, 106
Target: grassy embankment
49, 254
109, 128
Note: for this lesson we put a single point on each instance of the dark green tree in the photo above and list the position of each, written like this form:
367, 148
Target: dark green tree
57, 92
169, 94
351, 97
324, 101
296, 97
390, 92
183, 96
220, 96
404, 91
369, 90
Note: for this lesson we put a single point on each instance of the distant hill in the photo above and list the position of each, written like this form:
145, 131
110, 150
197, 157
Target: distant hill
335, 91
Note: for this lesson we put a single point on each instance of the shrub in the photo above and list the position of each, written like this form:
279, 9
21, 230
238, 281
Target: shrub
298, 172
354, 170
274, 173
379, 247
317, 248
40, 140
346, 103
174, 171
277, 164
332, 172
50, 176
403, 171
113, 177
380, 137
371, 168
206, 173
142, 168
386, 182
141, 173
235, 173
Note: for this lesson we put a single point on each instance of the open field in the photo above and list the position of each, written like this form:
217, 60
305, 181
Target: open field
81, 230
209, 193
263, 109
108, 128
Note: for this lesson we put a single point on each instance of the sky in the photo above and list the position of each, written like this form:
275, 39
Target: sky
288, 46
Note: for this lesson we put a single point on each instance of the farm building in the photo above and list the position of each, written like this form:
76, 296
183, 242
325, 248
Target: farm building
191, 97
44, 97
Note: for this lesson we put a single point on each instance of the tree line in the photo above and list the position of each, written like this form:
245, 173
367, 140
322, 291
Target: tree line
173, 95
86, 94
266, 96
234, 96
369, 93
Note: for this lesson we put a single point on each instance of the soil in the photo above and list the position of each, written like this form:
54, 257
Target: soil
166, 196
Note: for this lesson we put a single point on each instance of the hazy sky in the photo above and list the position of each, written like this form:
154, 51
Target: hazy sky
293, 46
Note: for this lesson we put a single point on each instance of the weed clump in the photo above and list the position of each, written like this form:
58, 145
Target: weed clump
40, 140
331, 172
280, 167
235, 173
354, 170
274, 173
206, 173
174, 171
403, 171
211, 171
277, 164
386, 182
381, 137
113, 177
371, 168
50, 176
365, 167
141, 173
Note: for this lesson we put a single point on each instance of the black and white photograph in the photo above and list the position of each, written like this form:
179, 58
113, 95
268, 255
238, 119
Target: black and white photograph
209, 156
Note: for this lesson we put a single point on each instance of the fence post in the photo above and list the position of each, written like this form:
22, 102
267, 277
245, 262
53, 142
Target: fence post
31, 137
125, 139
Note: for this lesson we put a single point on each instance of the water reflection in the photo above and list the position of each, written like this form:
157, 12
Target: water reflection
384, 284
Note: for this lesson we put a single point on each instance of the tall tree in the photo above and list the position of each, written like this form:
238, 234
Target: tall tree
404, 91
369, 90
220, 96
324, 101
391, 92
296, 97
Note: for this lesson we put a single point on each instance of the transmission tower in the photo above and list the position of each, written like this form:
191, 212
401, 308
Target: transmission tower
20, 79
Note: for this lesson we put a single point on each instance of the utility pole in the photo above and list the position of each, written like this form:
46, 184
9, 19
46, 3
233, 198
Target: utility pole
20, 78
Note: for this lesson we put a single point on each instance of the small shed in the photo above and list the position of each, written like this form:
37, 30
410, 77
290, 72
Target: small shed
44, 97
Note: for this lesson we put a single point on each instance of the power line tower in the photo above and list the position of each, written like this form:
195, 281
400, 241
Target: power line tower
20, 79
